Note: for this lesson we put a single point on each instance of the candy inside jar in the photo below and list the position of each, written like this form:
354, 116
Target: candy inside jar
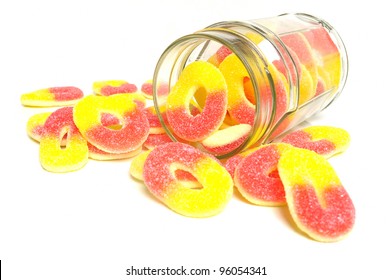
238, 84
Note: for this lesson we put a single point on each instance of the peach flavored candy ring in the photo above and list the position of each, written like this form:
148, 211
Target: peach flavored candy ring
159, 173
52, 156
132, 134
53, 96
324, 140
317, 201
256, 176
110, 87
198, 74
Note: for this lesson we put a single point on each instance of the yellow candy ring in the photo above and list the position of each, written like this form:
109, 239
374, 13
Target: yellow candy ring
317, 201
159, 173
131, 135
324, 140
199, 74
52, 96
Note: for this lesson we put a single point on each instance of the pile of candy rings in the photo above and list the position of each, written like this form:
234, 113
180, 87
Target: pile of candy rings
115, 123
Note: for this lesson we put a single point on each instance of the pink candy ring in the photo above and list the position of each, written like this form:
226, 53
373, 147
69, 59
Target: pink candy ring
199, 74
110, 87
324, 140
160, 178
147, 89
317, 201
257, 179
53, 96
132, 134
52, 156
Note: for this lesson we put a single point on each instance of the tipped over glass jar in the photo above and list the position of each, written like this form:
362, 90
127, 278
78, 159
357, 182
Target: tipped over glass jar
277, 72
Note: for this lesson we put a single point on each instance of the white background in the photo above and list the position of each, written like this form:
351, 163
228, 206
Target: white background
97, 222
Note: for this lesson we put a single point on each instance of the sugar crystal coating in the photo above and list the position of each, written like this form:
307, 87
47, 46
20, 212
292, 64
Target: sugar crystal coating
324, 140
154, 140
256, 176
97, 154
111, 87
227, 139
198, 74
53, 96
161, 180
317, 201
131, 135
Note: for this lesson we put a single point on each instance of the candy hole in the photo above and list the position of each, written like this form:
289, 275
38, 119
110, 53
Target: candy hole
274, 173
187, 179
111, 121
200, 97
64, 134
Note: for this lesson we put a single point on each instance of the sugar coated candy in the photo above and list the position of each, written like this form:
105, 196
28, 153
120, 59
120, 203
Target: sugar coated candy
53, 96
53, 156
198, 74
256, 176
318, 203
160, 178
324, 140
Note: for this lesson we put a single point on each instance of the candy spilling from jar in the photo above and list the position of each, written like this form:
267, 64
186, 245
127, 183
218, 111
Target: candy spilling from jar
216, 104
210, 110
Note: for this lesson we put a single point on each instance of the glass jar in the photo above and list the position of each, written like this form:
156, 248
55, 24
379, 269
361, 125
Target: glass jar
295, 66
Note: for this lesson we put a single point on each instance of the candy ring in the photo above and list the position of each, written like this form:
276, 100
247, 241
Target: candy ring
329, 60
147, 89
317, 201
227, 139
159, 176
52, 156
324, 140
110, 87
257, 179
298, 43
240, 108
53, 96
97, 154
199, 74
241, 95
132, 134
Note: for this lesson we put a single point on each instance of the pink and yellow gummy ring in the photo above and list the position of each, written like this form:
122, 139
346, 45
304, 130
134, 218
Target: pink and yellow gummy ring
198, 74
324, 140
35, 125
318, 203
160, 178
240, 108
53, 96
134, 124
256, 176
53, 156
111, 87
